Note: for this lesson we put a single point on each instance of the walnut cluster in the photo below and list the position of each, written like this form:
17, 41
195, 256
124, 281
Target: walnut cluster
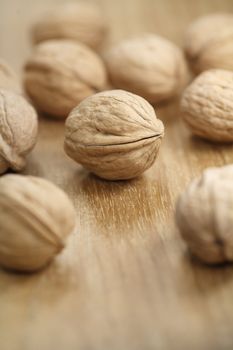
114, 134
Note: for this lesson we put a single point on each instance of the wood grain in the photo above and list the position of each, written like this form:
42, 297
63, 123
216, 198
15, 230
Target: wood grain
125, 280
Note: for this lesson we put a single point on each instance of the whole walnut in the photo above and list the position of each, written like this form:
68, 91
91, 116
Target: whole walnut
149, 66
114, 134
8, 79
81, 21
204, 215
18, 130
207, 105
209, 42
35, 219
61, 73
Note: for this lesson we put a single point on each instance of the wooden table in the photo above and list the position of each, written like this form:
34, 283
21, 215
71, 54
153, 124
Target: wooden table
125, 280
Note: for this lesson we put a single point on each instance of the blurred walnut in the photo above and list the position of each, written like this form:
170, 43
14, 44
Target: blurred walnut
61, 73
18, 130
8, 79
209, 42
114, 134
205, 217
207, 105
81, 21
149, 66
35, 218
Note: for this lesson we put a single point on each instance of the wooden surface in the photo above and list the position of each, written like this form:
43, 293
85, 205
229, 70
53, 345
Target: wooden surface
125, 281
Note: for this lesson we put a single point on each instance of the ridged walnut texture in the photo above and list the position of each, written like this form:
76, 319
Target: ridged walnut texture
18, 130
207, 105
35, 219
60, 74
114, 134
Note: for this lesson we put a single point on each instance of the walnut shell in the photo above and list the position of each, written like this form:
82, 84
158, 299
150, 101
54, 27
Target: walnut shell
8, 79
207, 105
205, 217
149, 66
114, 134
81, 21
18, 130
61, 73
209, 42
35, 218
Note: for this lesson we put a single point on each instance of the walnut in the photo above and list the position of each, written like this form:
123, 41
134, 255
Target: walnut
81, 21
35, 219
114, 134
60, 74
209, 42
149, 66
8, 79
18, 130
205, 217
207, 105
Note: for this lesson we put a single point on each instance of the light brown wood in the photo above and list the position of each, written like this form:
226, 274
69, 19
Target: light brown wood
125, 280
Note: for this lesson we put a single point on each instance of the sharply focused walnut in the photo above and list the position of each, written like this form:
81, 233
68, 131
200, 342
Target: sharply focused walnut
60, 74
207, 105
81, 21
18, 130
204, 215
8, 79
209, 42
149, 66
114, 134
35, 218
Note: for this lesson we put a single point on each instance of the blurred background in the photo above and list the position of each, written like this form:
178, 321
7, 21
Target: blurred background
165, 17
